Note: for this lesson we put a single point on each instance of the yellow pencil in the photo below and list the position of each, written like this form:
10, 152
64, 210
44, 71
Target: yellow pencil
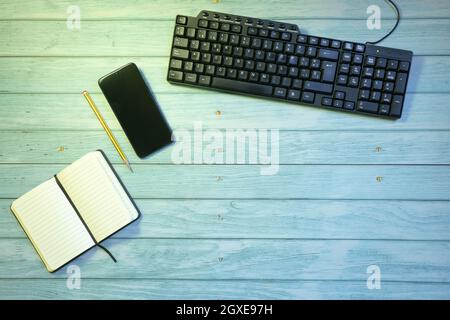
106, 128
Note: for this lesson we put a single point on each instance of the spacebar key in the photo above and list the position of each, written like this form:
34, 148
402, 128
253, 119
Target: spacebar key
240, 86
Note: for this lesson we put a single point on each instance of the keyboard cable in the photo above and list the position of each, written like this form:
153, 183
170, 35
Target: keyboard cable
397, 11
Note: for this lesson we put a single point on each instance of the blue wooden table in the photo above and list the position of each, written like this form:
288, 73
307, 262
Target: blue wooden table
353, 194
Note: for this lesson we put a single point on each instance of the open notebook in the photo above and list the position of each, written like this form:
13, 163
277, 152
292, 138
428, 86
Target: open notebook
74, 211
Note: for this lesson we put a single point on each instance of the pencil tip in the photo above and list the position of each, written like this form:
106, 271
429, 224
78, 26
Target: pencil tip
129, 167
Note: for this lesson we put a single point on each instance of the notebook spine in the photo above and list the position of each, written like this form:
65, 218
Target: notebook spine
58, 182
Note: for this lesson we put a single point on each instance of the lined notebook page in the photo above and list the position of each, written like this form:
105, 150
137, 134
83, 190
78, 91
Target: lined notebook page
52, 224
98, 195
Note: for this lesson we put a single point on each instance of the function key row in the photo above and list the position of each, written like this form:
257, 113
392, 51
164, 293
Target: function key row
337, 44
260, 23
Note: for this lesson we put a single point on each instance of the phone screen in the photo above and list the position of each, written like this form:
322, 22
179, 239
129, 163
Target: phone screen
136, 109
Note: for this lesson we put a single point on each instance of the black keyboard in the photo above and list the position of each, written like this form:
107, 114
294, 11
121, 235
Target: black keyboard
275, 60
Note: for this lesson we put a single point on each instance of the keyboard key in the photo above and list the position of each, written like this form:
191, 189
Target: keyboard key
381, 63
328, 71
242, 75
357, 58
326, 101
375, 95
263, 33
313, 40
241, 86
353, 82
190, 77
275, 80
175, 75
204, 80
388, 86
181, 19
346, 57
318, 87
338, 103
328, 54
188, 66
203, 23
180, 53
225, 27
286, 36
175, 64
191, 32
264, 78
297, 84
279, 92
236, 28
344, 68
370, 61
377, 85
179, 31
275, 34
339, 95
348, 46
366, 106
336, 44
390, 75
384, 109
400, 83
302, 39
308, 97
324, 42
392, 65
404, 66
364, 94
293, 95
252, 31
231, 73
396, 106
349, 105
386, 98
286, 82
360, 47
342, 79
214, 25
253, 76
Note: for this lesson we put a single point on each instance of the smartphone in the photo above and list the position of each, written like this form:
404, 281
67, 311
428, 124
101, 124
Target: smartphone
136, 109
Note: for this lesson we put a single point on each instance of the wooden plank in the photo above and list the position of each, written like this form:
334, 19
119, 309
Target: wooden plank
216, 110
295, 147
246, 182
218, 289
73, 75
154, 38
277, 219
164, 9
421, 261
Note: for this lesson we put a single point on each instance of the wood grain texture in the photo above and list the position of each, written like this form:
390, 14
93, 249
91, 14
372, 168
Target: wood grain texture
167, 9
295, 147
277, 219
218, 289
246, 181
352, 191
31, 112
27, 38
287, 259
